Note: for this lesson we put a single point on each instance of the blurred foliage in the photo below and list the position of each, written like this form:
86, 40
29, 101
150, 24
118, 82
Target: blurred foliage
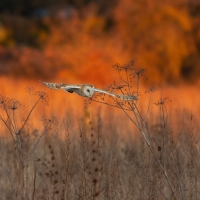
163, 36
5, 36
25, 7
24, 31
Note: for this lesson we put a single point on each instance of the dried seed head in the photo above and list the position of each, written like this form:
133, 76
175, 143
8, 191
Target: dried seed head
139, 72
117, 86
52, 121
150, 90
30, 90
14, 104
43, 96
3, 101
162, 101
126, 67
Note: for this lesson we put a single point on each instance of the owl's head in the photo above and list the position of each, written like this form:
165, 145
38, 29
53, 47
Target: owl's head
88, 90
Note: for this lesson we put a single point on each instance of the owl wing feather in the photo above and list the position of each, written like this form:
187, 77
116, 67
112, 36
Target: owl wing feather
62, 86
122, 97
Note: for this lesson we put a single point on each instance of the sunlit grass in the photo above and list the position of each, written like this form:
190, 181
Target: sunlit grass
96, 155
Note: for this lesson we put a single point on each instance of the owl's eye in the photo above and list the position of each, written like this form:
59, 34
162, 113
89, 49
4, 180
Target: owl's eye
88, 90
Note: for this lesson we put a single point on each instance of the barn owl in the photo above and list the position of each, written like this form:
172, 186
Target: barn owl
86, 90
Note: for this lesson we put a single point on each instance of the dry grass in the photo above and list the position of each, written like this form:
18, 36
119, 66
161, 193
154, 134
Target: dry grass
92, 159
99, 164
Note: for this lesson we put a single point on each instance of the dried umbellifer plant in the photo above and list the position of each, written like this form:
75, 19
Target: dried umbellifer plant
16, 124
129, 84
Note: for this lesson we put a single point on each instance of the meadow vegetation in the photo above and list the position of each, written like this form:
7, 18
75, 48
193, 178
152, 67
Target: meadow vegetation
94, 160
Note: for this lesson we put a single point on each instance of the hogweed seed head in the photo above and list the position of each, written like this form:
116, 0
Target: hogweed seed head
162, 101
52, 121
139, 72
30, 90
150, 90
125, 67
3, 101
14, 104
43, 96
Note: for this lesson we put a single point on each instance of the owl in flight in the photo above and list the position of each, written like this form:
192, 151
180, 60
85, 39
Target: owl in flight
86, 90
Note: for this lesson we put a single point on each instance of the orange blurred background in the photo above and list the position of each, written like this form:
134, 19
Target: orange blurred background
79, 41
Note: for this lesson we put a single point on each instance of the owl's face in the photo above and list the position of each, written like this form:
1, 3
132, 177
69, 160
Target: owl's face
88, 90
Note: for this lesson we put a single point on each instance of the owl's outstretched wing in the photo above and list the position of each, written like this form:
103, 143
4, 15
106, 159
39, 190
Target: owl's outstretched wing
62, 86
77, 89
119, 96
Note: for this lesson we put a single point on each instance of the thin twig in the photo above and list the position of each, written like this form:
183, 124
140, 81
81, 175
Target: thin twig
36, 144
8, 175
28, 116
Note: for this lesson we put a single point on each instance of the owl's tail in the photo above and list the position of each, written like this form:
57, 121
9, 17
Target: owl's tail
54, 86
